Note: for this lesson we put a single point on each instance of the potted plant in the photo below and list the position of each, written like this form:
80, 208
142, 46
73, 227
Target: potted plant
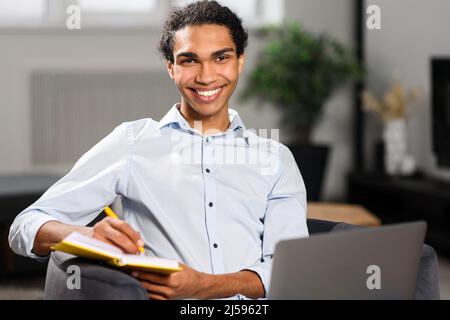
298, 71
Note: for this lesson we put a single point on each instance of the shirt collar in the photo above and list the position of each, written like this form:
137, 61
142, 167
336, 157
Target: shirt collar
235, 120
174, 116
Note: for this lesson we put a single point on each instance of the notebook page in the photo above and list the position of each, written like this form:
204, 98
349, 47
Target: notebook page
132, 259
94, 244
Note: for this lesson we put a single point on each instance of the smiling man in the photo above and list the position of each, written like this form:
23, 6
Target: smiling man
184, 197
205, 65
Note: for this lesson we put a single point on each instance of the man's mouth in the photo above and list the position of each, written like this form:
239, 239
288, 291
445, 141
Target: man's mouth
207, 95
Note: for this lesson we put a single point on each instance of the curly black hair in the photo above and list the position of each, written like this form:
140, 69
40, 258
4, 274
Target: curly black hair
199, 13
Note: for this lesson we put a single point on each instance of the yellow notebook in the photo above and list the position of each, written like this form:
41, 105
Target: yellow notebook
88, 247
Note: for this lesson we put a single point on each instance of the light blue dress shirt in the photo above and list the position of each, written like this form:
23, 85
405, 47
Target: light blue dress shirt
217, 202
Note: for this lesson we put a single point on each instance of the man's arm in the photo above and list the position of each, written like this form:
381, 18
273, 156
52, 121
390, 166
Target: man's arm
285, 216
189, 283
243, 282
76, 199
51, 233
109, 230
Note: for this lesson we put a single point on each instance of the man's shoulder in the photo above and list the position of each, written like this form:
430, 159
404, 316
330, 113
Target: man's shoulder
137, 128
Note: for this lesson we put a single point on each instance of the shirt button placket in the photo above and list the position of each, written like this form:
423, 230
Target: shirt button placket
210, 202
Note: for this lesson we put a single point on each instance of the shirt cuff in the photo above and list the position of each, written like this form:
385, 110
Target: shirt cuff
22, 241
263, 270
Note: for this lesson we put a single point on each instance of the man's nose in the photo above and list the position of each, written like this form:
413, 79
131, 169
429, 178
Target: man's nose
206, 75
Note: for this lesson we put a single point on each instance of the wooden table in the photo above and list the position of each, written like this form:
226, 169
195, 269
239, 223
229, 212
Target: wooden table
340, 212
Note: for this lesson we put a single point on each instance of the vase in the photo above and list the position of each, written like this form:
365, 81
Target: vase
397, 161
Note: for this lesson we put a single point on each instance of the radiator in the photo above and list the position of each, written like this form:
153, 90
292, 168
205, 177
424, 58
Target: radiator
71, 111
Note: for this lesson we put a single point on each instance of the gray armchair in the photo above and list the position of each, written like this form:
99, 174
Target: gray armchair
98, 281
101, 282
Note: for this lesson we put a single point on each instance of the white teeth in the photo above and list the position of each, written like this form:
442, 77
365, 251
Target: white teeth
208, 93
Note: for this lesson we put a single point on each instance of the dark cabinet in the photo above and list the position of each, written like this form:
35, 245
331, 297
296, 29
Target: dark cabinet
396, 200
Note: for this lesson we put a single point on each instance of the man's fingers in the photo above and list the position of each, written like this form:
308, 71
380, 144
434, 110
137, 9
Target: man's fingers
120, 239
155, 289
103, 239
153, 296
119, 233
152, 277
126, 229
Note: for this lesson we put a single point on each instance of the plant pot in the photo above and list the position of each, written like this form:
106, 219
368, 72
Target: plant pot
312, 161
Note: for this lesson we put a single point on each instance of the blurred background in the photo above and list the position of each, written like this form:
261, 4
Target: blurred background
70, 74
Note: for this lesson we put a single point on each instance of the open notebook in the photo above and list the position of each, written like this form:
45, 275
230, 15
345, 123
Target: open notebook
88, 247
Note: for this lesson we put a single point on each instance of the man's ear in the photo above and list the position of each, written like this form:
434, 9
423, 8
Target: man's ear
170, 70
241, 61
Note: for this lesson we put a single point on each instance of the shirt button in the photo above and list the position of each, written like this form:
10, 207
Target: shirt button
210, 204
208, 139
215, 245
207, 170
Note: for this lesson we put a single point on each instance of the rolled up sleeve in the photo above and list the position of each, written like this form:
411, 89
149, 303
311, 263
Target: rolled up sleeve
285, 216
93, 183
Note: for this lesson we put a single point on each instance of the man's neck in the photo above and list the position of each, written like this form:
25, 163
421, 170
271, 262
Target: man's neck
206, 124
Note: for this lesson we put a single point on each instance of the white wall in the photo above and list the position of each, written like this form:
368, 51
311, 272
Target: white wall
412, 31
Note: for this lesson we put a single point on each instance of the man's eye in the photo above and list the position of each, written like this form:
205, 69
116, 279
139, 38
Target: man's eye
187, 61
222, 58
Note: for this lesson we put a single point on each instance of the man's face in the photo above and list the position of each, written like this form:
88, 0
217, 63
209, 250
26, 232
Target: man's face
206, 67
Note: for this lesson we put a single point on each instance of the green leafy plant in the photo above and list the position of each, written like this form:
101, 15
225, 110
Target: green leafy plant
298, 72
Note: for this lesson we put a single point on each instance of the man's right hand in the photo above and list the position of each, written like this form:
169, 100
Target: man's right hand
118, 233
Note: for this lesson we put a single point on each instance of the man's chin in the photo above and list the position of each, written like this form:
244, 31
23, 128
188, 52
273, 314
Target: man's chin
208, 111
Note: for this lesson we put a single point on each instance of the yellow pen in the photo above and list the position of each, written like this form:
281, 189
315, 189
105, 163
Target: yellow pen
112, 214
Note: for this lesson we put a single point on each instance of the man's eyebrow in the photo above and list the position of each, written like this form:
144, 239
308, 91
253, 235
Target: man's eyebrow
195, 56
187, 54
219, 52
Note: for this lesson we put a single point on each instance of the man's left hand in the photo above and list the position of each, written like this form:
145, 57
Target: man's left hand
179, 285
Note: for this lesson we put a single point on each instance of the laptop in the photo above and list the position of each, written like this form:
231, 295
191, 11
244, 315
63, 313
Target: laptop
367, 263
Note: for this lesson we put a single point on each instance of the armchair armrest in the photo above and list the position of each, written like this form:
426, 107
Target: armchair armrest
97, 281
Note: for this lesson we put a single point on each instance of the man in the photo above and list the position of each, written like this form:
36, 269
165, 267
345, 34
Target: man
184, 196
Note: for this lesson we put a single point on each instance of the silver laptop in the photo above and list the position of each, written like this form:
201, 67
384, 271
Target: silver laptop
367, 263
